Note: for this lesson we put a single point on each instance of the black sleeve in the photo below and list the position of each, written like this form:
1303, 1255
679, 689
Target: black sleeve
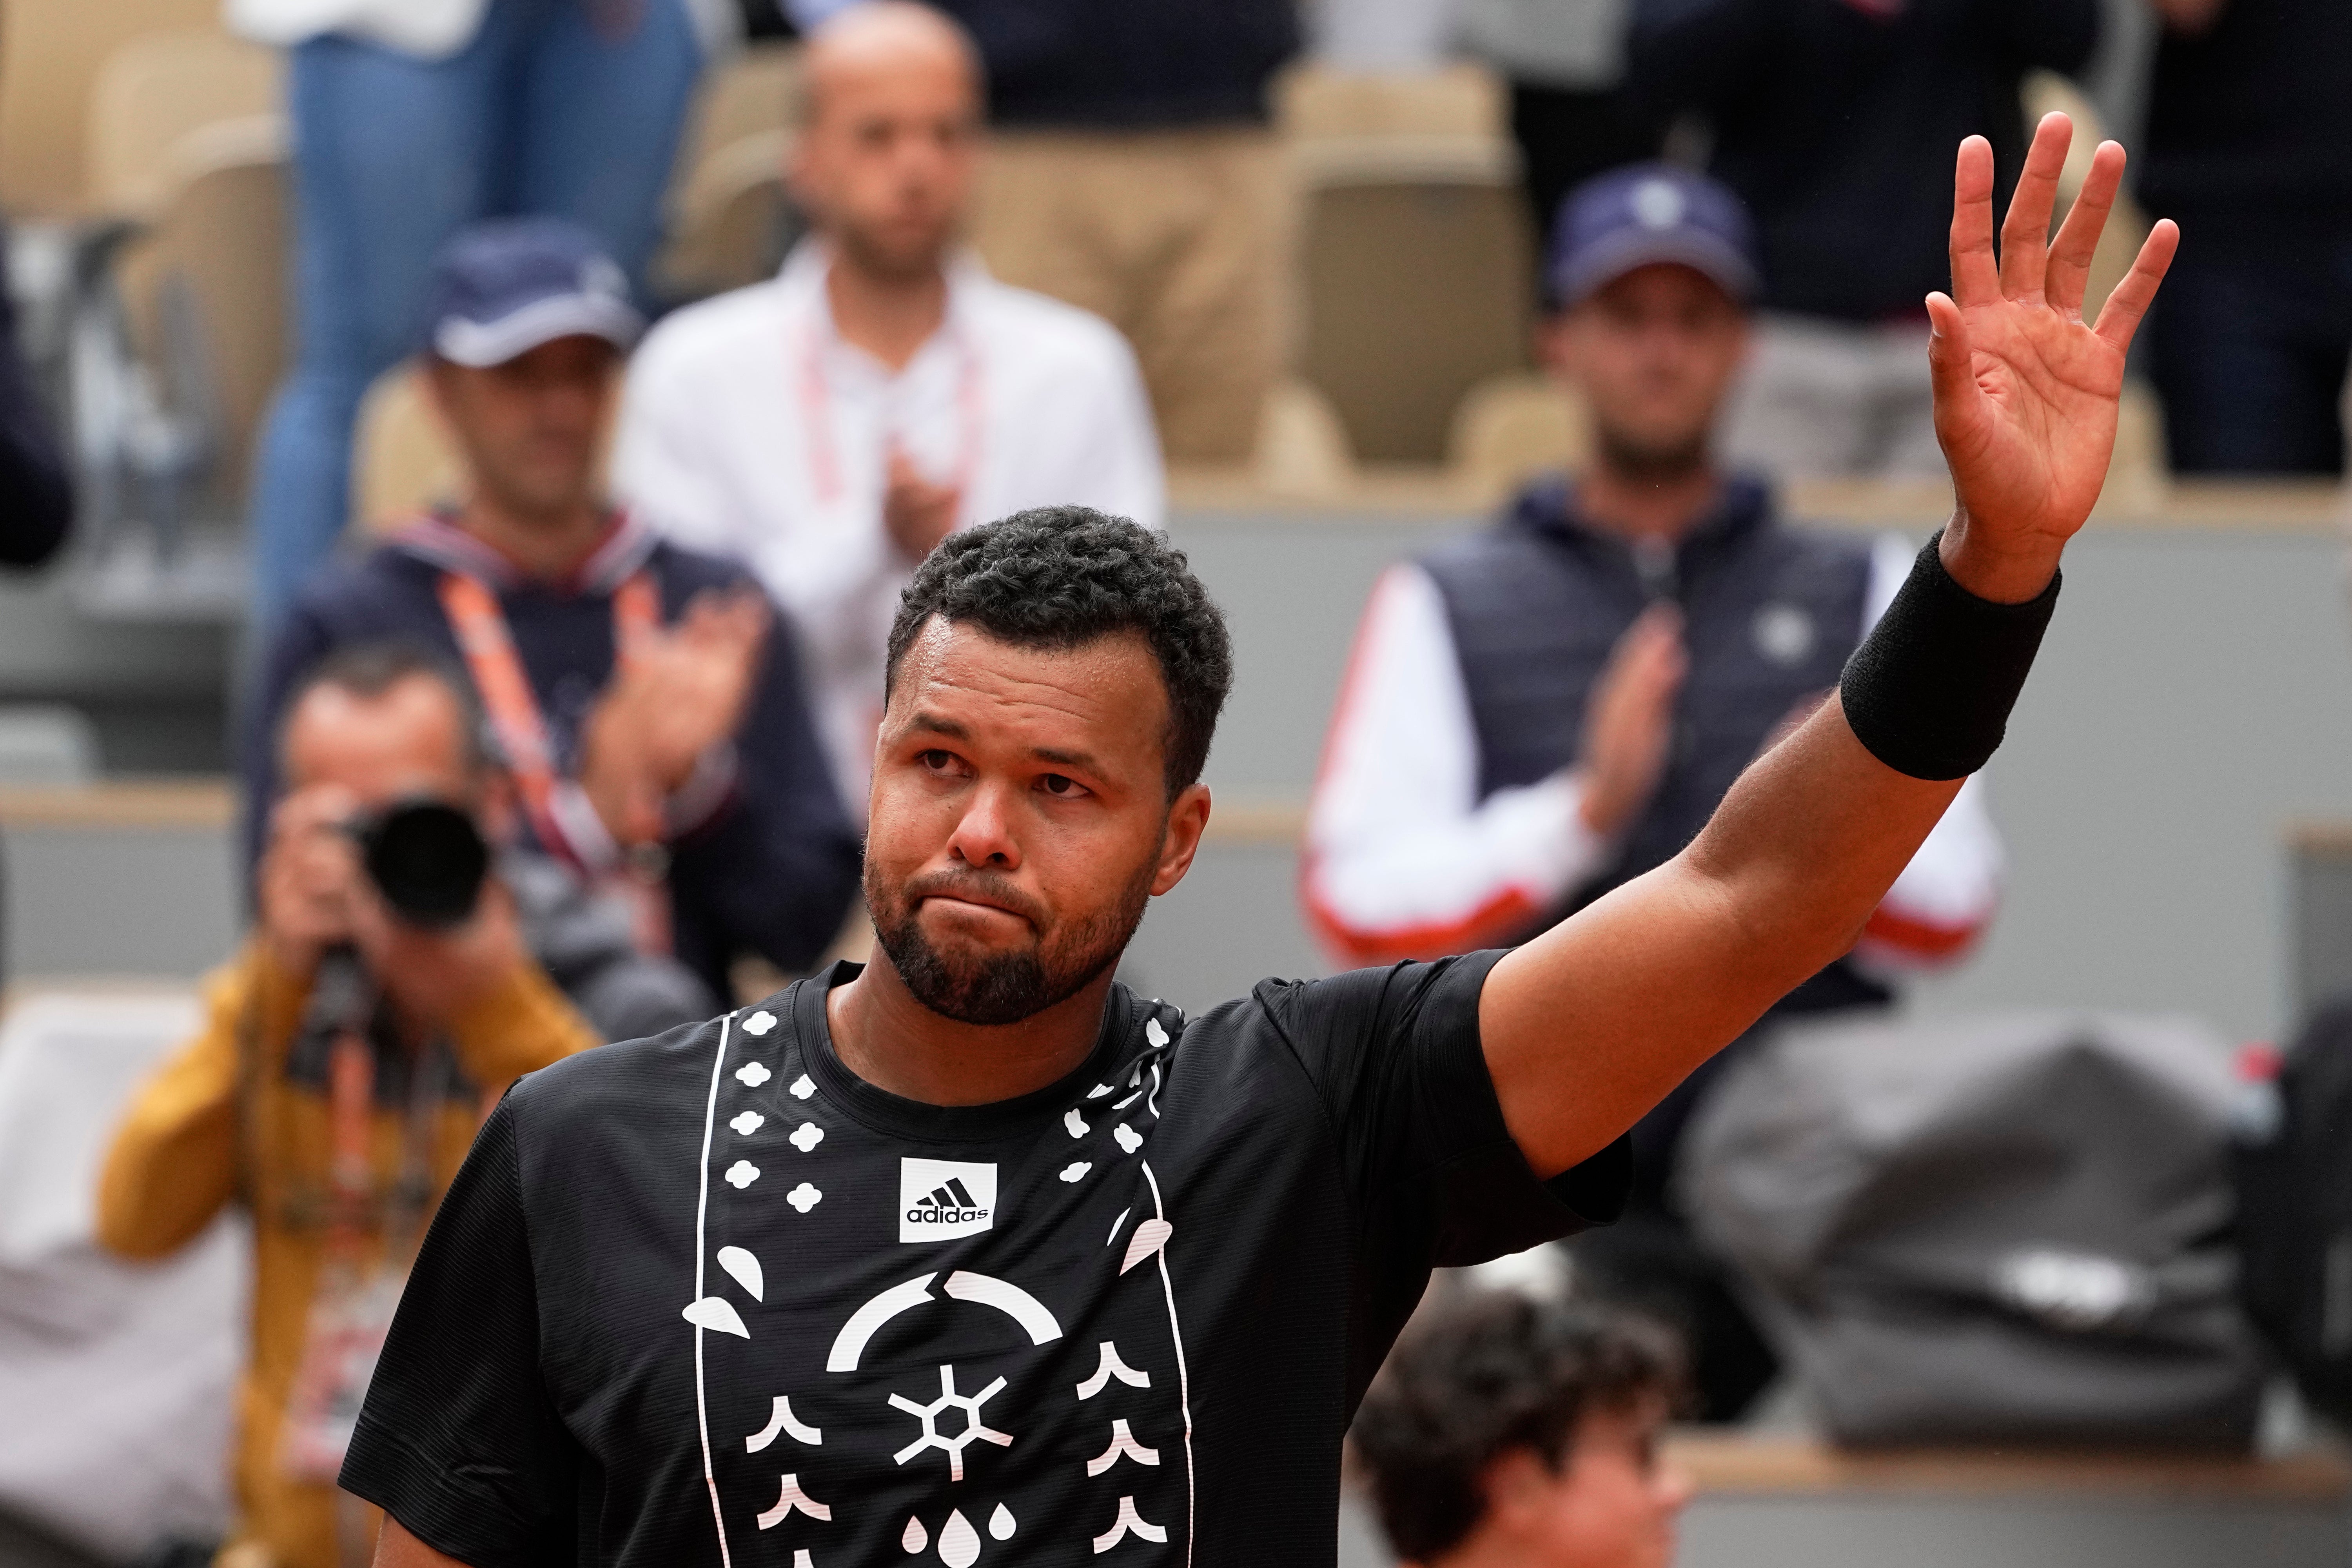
459, 1439
1435, 1177
36, 498
773, 873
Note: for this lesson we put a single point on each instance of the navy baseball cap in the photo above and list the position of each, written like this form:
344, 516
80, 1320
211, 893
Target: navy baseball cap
1649, 213
501, 289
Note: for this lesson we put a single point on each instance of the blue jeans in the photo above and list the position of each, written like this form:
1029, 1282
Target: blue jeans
540, 113
2249, 343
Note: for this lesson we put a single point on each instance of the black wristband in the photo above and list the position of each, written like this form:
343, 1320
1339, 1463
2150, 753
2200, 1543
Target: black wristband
1929, 689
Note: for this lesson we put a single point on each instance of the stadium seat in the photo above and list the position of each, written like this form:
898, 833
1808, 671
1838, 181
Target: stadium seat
1512, 426
730, 220
187, 139
1413, 251
401, 463
51, 52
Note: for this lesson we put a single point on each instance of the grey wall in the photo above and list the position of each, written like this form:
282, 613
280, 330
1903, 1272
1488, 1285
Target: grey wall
2194, 700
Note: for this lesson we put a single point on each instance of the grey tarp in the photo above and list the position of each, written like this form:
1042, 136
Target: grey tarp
2006, 1228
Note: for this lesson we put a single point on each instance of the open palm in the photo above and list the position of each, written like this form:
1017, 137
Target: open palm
2025, 389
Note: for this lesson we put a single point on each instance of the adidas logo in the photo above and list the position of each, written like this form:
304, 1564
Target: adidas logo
940, 1199
948, 1204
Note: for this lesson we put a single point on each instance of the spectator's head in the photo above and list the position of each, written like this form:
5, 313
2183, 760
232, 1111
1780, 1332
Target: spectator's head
385, 722
889, 132
1055, 680
1649, 274
527, 323
1507, 1432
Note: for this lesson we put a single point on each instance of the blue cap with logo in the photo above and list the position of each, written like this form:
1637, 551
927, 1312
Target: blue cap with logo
1644, 213
502, 287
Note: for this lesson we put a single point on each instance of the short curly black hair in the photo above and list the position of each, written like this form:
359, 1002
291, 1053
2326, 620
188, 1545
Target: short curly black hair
1059, 576
1478, 1377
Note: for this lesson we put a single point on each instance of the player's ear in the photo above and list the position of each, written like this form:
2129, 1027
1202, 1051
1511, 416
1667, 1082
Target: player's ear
1188, 818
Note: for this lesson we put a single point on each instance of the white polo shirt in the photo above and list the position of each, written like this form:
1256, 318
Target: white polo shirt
750, 429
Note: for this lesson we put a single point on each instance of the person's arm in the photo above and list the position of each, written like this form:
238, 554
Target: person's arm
777, 865
1945, 897
1403, 859
395, 1548
1589, 1025
459, 1440
173, 1160
520, 1024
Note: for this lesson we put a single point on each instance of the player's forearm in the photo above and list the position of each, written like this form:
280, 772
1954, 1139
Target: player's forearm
1589, 1025
1803, 850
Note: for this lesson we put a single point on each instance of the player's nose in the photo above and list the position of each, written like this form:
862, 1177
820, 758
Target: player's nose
984, 834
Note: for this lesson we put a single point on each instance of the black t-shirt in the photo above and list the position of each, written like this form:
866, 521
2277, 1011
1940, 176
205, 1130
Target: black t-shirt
711, 1297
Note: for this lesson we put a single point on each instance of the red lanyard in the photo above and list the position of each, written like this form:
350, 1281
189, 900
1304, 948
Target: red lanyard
512, 708
817, 417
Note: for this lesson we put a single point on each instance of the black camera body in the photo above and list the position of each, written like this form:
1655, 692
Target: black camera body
428, 858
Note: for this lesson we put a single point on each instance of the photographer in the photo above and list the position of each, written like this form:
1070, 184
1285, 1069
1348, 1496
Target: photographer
385, 999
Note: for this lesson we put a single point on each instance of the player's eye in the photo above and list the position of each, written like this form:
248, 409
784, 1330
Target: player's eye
938, 761
1061, 784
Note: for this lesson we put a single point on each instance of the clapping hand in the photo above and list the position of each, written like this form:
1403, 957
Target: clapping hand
683, 691
915, 513
2025, 389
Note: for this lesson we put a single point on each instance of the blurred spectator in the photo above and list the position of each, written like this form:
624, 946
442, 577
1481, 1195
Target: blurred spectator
829, 427
656, 734
1836, 121
1571, 114
1537, 713
347, 1057
409, 121
1132, 174
36, 498
2250, 148
1510, 1433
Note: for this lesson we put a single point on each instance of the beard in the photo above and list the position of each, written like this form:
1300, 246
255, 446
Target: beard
995, 988
1651, 461
901, 259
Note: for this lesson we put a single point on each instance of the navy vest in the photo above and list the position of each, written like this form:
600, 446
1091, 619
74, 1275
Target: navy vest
1536, 603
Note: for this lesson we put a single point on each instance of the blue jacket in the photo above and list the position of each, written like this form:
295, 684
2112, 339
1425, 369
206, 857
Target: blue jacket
771, 873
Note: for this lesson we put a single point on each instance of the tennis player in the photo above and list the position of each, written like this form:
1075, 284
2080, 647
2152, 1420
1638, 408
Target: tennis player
972, 1254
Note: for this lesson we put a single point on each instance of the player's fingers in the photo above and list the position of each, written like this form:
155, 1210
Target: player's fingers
1948, 367
2120, 318
1976, 278
2078, 237
2025, 235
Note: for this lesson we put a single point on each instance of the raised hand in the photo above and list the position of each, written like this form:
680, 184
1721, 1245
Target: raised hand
2025, 390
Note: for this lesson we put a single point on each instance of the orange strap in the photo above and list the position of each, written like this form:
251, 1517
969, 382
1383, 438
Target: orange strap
512, 708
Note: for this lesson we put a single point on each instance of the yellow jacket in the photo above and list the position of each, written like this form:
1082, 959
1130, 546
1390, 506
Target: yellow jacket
177, 1160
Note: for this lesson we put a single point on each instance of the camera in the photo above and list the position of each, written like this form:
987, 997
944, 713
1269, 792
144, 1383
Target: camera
428, 858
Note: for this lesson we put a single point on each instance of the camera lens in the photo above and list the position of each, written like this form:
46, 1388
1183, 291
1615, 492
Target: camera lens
428, 860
